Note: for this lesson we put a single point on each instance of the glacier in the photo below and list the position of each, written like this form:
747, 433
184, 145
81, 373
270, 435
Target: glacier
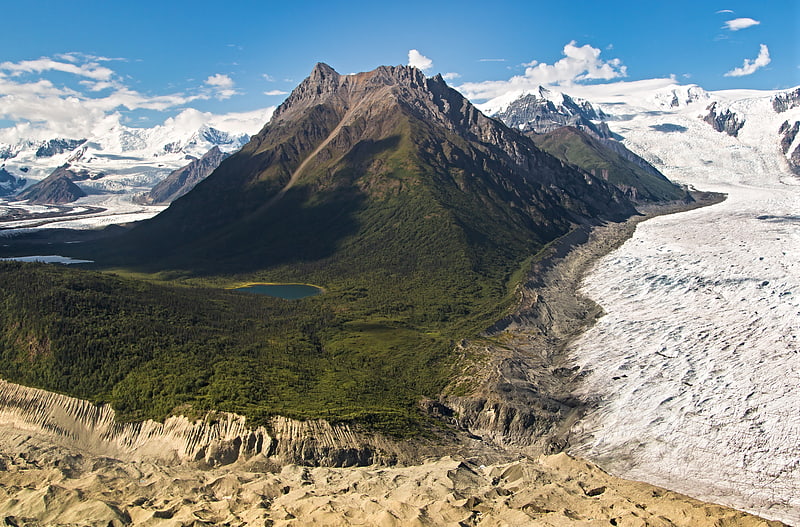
693, 372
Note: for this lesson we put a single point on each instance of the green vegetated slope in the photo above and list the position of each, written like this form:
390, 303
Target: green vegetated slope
154, 349
639, 180
415, 212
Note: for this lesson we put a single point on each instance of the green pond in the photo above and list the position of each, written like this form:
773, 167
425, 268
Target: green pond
285, 291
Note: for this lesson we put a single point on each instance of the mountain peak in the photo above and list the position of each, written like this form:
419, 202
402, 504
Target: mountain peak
324, 84
322, 71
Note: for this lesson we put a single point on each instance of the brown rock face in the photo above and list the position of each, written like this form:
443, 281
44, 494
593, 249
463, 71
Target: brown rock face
57, 188
184, 179
356, 139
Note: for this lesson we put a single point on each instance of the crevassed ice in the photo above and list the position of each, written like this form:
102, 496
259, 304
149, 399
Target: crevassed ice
695, 368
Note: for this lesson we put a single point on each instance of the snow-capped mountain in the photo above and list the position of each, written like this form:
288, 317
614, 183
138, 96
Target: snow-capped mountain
723, 136
545, 109
127, 159
119, 162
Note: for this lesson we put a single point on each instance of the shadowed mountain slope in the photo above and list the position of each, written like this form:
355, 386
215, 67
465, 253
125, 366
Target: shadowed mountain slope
184, 179
384, 164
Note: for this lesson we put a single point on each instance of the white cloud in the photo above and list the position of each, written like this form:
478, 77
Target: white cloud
222, 85
491, 60
418, 60
268, 77
724, 11
90, 70
40, 108
751, 66
276, 92
451, 75
220, 81
580, 63
740, 23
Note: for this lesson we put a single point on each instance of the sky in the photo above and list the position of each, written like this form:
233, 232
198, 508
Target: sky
68, 68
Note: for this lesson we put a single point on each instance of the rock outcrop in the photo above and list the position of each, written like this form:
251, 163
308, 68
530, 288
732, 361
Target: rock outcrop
723, 121
184, 179
8, 183
788, 135
58, 146
218, 439
786, 100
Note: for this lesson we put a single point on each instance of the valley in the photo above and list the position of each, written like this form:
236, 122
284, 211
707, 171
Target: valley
449, 247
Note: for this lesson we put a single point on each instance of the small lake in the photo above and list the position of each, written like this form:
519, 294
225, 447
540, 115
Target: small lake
66, 260
285, 291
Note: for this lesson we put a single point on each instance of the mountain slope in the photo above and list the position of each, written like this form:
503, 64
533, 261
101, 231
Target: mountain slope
184, 179
417, 214
345, 154
611, 161
57, 188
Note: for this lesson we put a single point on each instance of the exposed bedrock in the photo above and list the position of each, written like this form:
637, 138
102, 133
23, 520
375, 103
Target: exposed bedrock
219, 439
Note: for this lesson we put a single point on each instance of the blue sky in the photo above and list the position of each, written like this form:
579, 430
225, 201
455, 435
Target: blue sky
145, 61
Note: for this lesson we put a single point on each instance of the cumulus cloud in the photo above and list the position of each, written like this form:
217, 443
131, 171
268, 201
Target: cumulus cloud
751, 66
580, 64
451, 75
222, 85
220, 81
276, 92
740, 23
418, 60
91, 96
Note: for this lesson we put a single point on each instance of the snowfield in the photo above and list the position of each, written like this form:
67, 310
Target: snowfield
123, 162
695, 368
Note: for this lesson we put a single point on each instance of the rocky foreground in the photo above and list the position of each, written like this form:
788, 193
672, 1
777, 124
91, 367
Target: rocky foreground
44, 484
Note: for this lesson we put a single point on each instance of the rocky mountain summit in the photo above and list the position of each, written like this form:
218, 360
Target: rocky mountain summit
543, 112
57, 188
723, 120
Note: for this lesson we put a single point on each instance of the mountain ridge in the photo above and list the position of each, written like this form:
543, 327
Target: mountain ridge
330, 122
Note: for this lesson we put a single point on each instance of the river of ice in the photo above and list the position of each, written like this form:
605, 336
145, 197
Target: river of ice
696, 365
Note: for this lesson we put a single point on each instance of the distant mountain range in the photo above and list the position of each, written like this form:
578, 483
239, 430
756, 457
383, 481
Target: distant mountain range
120, 160
128, 162
704, 129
